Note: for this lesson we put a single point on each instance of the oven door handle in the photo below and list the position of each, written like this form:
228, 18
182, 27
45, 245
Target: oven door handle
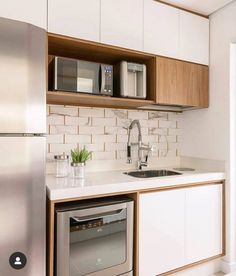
101, 215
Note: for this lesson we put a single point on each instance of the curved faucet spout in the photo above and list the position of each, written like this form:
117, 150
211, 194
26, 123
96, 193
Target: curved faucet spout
133, 123
141, 147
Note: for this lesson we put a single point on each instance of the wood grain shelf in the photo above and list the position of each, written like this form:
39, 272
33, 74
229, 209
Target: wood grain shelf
81, 99
64, 46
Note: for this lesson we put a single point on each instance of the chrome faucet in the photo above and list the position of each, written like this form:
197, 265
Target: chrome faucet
141, 146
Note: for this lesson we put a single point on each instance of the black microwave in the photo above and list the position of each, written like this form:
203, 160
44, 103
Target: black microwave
82, 76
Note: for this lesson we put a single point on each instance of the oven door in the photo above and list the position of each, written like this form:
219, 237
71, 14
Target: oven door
95, 241
88, 77
77, 76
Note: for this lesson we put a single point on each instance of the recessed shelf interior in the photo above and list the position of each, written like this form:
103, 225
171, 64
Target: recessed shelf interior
97, 52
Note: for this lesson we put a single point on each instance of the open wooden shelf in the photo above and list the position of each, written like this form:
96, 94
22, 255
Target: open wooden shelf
97, 52
81, 99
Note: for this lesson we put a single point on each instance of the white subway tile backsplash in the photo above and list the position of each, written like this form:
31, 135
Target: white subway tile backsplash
105, 131
77, 138
55, 120
115, 146
91, 112
55, 138
63, 129
103, 138
169, 153
76, 121
166, 124
104, 121
60, 148
115, 130
123, 122
62, 110
91, 130
150, 138
172, 131
173, 146
158, 131
121, 155
137, 115
157, 115
109, 155
149, 123
122, 138
170, 139
92, 147
109, 113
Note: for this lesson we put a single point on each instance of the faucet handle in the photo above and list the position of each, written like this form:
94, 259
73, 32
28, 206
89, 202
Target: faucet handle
129, 160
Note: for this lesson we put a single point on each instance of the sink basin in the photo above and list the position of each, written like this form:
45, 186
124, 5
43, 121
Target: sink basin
151, 173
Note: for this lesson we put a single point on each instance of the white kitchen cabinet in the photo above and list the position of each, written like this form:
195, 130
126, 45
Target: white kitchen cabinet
194, 38
75, 18
122, 23
29, 11
161, 232
203, 226
179, 227
161, 29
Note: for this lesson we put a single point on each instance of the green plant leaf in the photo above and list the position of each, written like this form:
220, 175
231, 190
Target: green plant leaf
80, 156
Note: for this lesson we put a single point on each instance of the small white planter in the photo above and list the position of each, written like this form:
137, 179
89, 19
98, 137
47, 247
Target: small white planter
78, 170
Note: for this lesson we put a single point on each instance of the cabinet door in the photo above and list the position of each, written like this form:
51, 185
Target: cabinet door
203, 72
188, 83
203, 238
181, 83
76, 18
29, 11
161, 232
166, 81
122, 23
161, 29
194, 38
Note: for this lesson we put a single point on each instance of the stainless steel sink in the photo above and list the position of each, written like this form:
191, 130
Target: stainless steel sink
151, 173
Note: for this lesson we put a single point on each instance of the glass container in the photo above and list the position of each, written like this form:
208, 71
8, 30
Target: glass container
61, 165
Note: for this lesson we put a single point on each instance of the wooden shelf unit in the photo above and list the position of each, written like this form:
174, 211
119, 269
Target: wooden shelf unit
91, 51
82, 99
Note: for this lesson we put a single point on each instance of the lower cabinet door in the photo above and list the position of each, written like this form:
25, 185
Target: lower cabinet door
203, 225
161, 232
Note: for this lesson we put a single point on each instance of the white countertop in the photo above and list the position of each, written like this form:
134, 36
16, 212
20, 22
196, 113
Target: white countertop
109, 182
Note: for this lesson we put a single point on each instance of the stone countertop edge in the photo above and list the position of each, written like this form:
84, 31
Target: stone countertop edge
112, 182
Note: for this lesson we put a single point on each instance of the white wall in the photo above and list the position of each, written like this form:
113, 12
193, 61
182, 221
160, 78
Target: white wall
207, 132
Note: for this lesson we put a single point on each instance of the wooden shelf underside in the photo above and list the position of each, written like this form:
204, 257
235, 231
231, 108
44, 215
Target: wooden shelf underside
80, 99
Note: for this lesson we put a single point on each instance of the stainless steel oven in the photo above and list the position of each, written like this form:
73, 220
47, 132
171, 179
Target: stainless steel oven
82, 76
95, 238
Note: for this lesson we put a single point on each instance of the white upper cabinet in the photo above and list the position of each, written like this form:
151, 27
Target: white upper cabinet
194, 38
122, 23
161, 232
203, 222
29, 11
161, 29
76, 18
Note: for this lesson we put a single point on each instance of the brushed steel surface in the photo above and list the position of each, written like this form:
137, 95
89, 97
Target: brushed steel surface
22, 203
63, 239
22, 78
151, 173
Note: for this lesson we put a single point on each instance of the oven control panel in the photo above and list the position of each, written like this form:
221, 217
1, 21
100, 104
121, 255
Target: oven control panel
108, 88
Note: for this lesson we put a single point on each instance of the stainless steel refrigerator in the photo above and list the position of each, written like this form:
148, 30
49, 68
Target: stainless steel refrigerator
22, 148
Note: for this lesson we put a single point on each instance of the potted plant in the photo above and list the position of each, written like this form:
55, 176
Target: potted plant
79, 159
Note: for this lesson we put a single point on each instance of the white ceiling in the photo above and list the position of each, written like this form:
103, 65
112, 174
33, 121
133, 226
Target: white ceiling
205, 7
